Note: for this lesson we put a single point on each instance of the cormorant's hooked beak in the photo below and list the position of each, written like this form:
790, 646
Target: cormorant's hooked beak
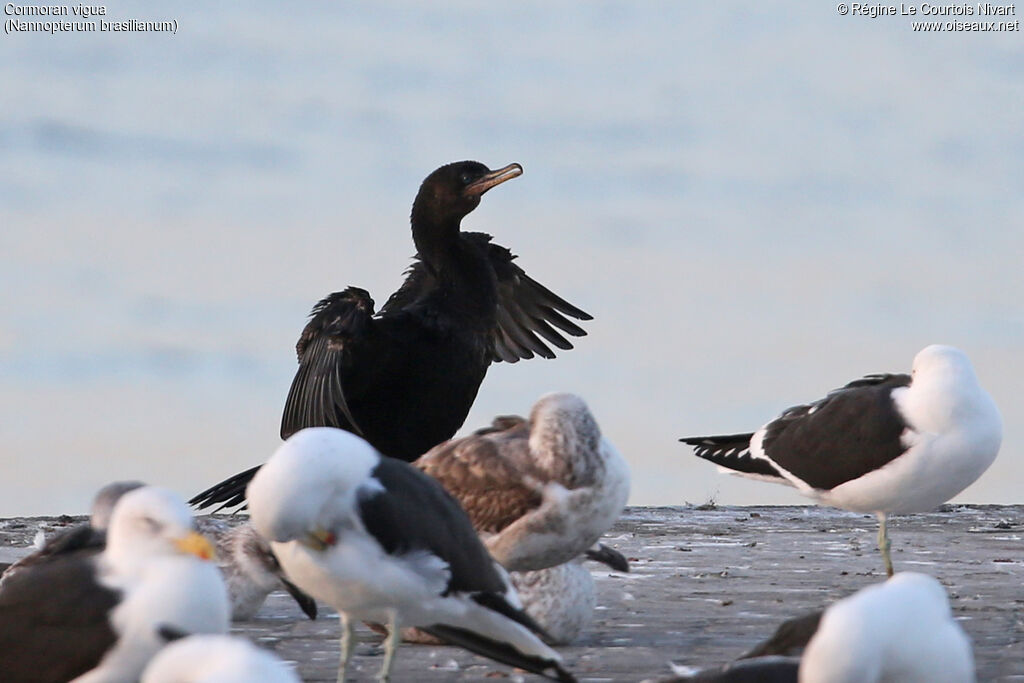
196, 544
319, 539
478, 187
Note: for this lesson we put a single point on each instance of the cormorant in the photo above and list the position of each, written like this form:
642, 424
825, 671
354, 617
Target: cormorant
405, 377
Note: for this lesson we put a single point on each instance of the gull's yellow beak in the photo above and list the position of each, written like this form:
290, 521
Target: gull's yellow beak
195, 544
319, 539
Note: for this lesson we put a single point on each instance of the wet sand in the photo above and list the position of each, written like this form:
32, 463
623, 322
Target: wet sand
706, 585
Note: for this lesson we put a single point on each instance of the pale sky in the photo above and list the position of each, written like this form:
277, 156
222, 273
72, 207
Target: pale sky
758, 202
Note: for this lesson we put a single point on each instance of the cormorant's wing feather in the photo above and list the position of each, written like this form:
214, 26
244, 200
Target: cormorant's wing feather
418, 281
527, 309
317, 395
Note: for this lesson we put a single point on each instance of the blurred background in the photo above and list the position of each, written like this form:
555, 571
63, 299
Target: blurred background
757, 201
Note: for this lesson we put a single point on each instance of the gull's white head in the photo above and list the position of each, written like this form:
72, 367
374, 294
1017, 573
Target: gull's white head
942, 361
105, 500
900, 630
151, 522
216, 659
308, 486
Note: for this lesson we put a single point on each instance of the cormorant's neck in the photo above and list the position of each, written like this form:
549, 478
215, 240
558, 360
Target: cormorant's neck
464, 279
436, 238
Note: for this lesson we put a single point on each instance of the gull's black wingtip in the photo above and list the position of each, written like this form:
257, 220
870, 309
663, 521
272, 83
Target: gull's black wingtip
500, 652
306, 603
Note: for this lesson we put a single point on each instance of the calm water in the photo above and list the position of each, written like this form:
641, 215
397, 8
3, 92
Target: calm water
757, 202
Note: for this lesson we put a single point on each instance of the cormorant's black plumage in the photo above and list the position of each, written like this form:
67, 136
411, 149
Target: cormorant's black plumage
405, 377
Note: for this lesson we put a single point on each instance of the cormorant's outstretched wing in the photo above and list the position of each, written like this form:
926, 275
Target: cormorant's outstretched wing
317, 395
418, 281
527, 309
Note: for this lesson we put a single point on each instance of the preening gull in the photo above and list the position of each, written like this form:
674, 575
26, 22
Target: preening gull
789, 639
88, 617
561, 598
82, 539
216, 659
382, 542
540, 491
901, 630
251, 572
405, 377
887, 444
772, 669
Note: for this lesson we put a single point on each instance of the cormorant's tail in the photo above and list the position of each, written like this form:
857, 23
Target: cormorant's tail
228, 493
732, 452
500, 652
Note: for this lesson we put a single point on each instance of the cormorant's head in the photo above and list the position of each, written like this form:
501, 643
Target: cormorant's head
452, 191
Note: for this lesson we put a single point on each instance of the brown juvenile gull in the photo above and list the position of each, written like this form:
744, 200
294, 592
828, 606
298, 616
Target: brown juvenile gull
539, 491
251, 572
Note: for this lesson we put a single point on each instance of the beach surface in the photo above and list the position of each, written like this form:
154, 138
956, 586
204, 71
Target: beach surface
707, 583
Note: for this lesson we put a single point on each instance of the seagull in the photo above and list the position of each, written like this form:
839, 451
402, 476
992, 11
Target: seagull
85, 538
380, 541
900, 630
789, 639
561, 599
539, 491
405, 377
87, 617
885, 444
216, 659
251, 572
773, 669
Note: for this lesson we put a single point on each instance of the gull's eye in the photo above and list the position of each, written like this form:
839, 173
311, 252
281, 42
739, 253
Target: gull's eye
152, 524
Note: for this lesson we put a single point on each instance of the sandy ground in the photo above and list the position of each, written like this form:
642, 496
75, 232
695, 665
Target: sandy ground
706, 585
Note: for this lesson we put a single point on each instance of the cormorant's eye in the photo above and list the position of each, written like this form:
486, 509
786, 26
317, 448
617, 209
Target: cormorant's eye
466, 178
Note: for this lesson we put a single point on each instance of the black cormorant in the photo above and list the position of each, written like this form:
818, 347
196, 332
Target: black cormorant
405, 377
